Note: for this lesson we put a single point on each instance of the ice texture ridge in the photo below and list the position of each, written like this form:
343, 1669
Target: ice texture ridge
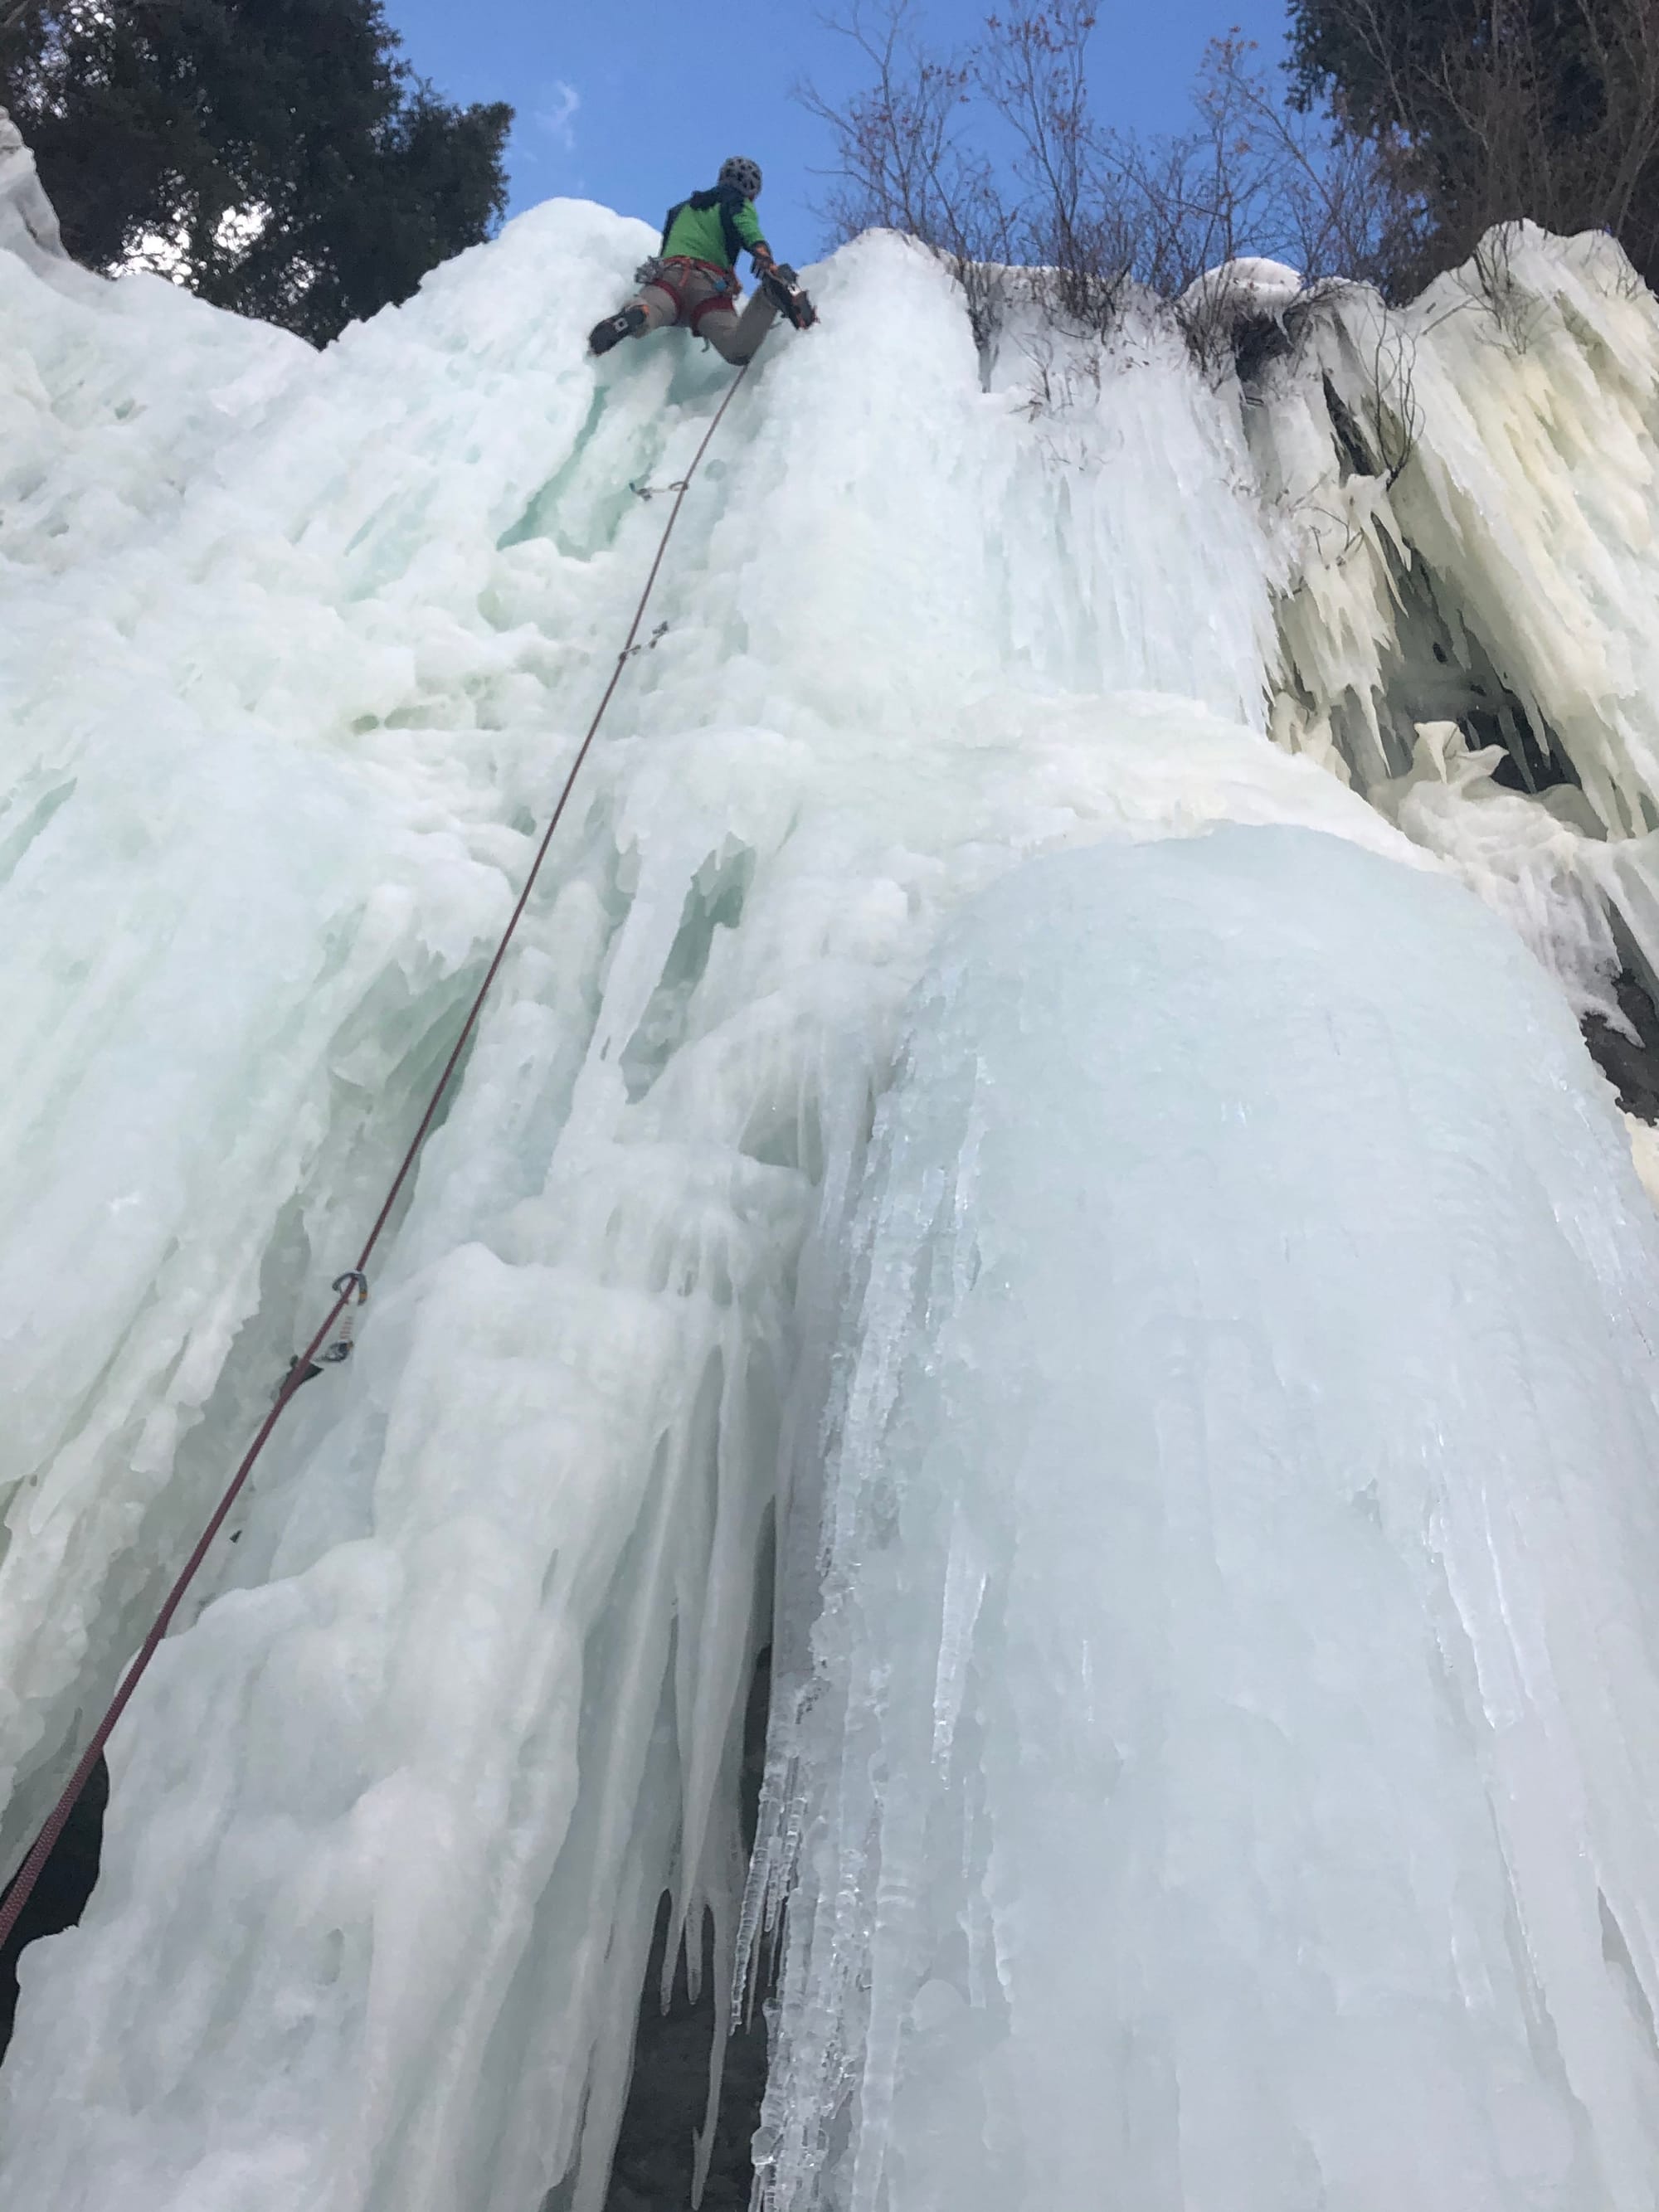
1224, 1765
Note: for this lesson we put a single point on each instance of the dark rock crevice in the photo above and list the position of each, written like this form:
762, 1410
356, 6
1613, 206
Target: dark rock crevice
59, 1896
652, 2168
1631, 1065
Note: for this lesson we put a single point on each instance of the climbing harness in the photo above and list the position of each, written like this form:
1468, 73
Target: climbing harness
777, 280
332, 1343
682, 264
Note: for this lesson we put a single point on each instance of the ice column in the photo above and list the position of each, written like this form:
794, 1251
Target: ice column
1226, 1761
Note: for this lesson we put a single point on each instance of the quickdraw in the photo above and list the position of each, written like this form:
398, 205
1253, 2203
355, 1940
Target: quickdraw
335, 1353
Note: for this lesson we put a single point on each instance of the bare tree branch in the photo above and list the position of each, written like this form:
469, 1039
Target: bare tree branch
1080, 210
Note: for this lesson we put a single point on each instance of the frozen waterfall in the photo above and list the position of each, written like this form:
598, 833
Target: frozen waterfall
295, 649
1225, 1774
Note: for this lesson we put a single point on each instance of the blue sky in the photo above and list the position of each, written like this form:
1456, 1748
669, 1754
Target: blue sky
636, 102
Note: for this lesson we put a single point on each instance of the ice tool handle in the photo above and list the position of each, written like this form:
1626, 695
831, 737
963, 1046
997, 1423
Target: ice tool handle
354, 1282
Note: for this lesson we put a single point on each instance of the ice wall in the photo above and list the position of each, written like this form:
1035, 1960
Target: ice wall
295, 649
1468, 491
1222, 1774
302, 644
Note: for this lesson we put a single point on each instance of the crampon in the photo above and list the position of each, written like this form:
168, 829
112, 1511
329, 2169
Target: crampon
785, 290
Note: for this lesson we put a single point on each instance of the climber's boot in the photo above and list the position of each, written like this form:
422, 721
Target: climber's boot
615, 328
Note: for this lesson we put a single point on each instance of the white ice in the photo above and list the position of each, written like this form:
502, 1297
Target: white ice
1497, 462
296, 647
1224, 1773
28, 220
1248, 285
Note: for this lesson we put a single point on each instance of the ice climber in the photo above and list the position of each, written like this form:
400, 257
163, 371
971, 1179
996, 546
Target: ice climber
692, 282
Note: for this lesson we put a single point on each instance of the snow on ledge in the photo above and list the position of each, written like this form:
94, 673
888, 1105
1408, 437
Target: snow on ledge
1241, 290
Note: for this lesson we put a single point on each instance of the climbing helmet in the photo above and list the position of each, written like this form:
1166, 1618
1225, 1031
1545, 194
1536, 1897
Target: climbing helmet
744, 174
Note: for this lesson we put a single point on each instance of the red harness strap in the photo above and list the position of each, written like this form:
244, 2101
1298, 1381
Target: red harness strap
708, 308
725, 277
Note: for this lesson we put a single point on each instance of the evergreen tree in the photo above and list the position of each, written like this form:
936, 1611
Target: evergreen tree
277, 156
1496, 109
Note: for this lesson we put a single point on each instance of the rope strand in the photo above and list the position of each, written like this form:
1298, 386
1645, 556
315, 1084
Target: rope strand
28, 1873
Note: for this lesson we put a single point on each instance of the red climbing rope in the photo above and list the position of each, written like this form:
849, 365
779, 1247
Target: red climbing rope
355, 1280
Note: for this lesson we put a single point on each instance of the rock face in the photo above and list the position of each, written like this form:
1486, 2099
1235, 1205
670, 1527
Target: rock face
29, 222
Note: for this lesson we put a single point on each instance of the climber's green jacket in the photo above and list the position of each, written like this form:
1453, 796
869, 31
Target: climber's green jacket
714, 225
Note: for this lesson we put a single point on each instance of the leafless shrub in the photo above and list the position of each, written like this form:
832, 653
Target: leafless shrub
1260, 177
904, 161
1069, 225
1082, 210
1397, 413
1489, 277
1547, 109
